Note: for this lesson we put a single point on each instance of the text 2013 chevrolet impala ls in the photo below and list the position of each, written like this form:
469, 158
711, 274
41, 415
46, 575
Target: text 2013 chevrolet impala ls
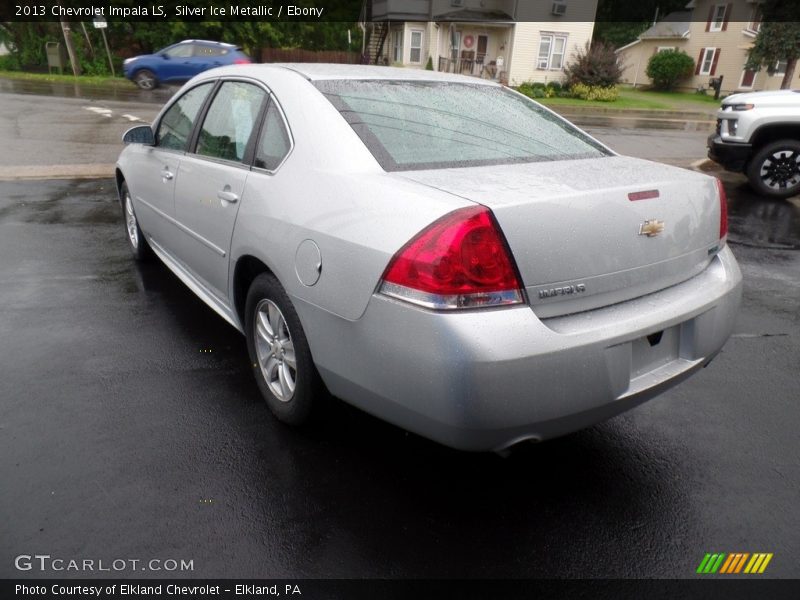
437, 250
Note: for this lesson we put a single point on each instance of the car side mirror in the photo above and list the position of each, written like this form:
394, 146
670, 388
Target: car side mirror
165, 56
141, 134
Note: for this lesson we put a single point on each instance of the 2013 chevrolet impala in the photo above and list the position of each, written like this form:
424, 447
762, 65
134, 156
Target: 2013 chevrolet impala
437, 250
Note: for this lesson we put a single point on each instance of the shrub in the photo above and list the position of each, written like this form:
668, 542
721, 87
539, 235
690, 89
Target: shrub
594, 65
429, 64
9, 62
668, 67
595, 92
554, 85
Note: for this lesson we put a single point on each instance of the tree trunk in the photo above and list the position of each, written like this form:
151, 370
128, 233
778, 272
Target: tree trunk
787, 77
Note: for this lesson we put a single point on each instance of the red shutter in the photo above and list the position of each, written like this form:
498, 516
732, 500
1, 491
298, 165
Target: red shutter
710, 16
714, 62
727, 16
699, 61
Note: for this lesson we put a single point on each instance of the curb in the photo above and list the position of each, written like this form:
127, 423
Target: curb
32, 172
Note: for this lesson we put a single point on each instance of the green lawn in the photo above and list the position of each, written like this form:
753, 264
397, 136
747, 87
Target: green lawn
84, 79
643, 99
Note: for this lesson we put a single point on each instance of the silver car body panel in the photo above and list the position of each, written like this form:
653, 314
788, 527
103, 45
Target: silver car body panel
475, 379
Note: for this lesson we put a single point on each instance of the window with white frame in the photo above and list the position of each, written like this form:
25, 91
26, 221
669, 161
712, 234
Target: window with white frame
397, 46
718, 17
665, 48
755, 20
552, 48
780, 68
707, 62
416, 46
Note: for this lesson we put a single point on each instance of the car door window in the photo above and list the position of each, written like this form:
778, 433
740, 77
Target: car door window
229, 124
180, 51
176, 124
275, 143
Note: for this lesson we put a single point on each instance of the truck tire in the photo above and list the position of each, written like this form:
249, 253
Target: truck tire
774, 170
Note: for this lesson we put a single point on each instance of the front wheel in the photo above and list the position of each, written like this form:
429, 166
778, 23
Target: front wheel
145, 79
775, 169
279, 352
136, 241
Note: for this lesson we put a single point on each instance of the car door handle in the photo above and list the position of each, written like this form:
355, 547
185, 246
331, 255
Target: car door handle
227, 196
167, 174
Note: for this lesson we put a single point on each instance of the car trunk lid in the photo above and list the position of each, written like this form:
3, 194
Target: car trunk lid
593, 232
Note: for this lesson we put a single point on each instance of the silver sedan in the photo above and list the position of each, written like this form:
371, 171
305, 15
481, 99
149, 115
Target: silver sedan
436, 250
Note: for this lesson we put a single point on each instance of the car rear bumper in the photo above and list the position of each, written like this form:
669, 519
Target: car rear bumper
733, 156
486, 379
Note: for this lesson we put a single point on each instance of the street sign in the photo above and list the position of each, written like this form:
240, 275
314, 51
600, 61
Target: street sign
100, 23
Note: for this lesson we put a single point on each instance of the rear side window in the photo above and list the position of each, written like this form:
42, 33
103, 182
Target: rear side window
274, 144
428, 125
230, 120
176, 124
210, 51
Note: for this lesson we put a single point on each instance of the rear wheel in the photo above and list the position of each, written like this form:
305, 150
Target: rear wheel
279, 352
145, 79
136, 240
775, 169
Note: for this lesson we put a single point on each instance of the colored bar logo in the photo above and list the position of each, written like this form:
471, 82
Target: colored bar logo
734, 563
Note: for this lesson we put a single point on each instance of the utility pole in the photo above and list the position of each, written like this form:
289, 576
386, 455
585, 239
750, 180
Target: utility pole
73, 57
88, 39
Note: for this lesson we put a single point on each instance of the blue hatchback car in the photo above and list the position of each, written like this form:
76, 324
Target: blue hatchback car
180, 62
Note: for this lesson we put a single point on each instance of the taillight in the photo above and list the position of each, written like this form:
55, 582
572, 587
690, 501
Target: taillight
723, 210
241, 61
460, 261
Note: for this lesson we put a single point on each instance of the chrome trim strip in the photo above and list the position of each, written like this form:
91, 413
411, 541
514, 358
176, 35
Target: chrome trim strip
451, 302
183, 228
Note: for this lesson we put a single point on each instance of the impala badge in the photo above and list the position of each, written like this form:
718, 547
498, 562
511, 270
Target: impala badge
651, 227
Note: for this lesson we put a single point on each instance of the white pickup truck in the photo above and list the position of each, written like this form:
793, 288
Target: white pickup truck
758, 133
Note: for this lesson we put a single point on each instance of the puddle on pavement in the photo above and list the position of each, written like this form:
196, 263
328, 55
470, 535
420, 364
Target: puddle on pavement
760, 222
77, 90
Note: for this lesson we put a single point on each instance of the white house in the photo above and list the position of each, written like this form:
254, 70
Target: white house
511, 40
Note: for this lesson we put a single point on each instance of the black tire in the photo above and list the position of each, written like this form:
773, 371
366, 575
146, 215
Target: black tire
145, 79
133, 233
774, 170
269, 353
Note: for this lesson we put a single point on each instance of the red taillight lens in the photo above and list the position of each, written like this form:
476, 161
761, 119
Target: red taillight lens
241, 61
723, 210
460, 261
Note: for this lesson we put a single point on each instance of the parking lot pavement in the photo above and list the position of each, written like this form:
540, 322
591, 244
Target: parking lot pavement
130, 427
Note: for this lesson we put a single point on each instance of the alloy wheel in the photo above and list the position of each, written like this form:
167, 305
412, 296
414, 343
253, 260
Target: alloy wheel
275, 350
130, 222
781, 170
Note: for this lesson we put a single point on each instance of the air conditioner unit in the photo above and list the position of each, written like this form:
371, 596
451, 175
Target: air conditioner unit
559, 8
457, 3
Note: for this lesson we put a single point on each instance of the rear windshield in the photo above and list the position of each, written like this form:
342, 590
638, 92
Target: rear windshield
434, 125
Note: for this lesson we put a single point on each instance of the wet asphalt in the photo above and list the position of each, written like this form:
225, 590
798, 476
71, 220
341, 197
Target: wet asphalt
130, 427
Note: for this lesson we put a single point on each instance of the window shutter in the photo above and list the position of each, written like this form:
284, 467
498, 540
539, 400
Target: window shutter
710, 17
727, 17
714, 62
699, 61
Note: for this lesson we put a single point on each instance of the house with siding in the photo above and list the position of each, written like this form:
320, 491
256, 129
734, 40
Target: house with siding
509, 40
717, 35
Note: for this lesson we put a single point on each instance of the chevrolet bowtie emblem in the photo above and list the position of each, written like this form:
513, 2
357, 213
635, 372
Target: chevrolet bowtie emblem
651, 227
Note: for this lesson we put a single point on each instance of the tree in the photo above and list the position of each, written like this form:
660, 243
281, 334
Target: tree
777, 40
668, 67
595, 64
619, 23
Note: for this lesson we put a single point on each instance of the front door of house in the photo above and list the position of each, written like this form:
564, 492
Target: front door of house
483, 43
